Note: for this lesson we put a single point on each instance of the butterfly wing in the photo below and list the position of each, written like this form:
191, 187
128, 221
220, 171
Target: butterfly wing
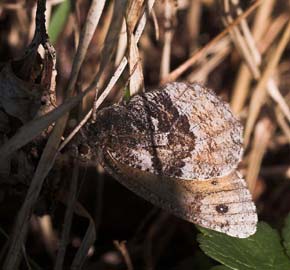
182, 130
222, 204
178, 148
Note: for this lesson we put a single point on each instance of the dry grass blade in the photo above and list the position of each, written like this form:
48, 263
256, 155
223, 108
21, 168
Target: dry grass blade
122, 44
136, 83
216, 56
114, 78
33, 128
247, 33
263, 133
133, 13
45, 164
273, 31
48, 234
169, 13
87, 33
90, 234
275, 94
111, 39
244, 41
121, 246
23, 216
193, 22
99, 198
156, 26
191, 61
283, 123
75, 130
243, 80
56, 230
49, 153
259, 95
124, 61
142, 22
13, 6
110, 45
68, 217
87, 242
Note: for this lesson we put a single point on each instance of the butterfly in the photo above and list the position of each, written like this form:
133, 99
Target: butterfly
179, 147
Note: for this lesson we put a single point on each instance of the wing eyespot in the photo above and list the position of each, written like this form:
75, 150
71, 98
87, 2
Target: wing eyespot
222, 208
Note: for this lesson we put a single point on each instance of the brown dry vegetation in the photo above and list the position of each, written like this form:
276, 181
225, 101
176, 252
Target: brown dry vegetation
56, 212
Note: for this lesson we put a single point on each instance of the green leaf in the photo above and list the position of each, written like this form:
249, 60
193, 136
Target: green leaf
201, 261
220, 267
286, 235
198, 261
127, 94
58, 20
262, 251
33, 265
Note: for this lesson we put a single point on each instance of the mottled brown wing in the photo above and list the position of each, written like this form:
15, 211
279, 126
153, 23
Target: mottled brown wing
182, 130
223, 204
159, 141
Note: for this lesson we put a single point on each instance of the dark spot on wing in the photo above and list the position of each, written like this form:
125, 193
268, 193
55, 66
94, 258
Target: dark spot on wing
214, 182
222, 208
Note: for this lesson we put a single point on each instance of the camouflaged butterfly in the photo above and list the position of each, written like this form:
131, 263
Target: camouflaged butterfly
178, 147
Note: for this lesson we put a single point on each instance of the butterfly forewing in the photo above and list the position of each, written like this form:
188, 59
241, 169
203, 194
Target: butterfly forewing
181, 130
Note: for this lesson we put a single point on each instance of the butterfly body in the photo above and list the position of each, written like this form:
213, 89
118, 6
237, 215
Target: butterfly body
178, 147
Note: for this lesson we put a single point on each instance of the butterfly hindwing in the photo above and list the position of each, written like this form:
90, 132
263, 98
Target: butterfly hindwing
223, 204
